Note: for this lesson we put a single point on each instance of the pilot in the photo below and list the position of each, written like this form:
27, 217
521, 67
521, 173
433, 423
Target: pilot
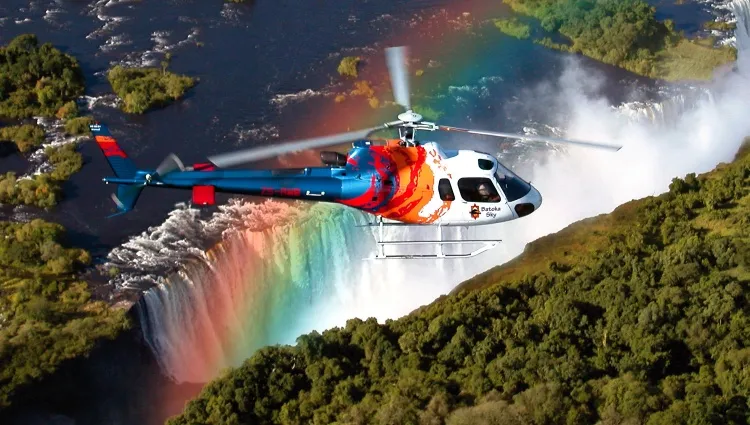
487, 196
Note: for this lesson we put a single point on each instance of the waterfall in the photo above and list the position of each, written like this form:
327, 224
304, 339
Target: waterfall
288, 274
666, 111
741, 10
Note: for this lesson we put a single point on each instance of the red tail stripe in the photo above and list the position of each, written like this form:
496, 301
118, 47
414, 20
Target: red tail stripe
109, 146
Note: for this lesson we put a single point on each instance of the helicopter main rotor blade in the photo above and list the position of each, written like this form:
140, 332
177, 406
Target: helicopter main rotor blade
257, 154
396, 60
531, 137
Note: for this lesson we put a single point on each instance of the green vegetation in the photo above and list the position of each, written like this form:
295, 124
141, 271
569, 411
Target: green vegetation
720, 26
42, 190
65, 161
361, 89
639, 316
625, 33
348, 66
513, 27
145, 88
36, 80
78, 126
46, 316
26, 137
428, 113
67, 111
39, 190
39, 80
692, 59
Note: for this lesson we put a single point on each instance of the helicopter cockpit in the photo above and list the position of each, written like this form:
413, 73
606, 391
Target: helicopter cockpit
513, 186
482, 189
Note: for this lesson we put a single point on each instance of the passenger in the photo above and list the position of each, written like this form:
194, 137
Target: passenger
486, 194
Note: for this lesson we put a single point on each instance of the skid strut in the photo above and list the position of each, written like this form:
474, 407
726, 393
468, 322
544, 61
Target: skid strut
439, 242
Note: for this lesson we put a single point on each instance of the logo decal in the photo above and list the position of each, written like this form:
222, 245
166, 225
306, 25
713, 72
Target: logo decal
474, 211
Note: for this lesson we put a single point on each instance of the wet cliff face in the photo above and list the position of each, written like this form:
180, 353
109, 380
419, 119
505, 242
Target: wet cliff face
117, 384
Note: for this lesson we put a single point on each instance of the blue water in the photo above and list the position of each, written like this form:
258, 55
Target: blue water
688, 16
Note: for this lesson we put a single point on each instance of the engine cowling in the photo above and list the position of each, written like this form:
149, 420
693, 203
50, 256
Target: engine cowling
204, 195
333, 158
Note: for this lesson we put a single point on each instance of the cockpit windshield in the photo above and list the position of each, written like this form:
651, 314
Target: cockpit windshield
514, 187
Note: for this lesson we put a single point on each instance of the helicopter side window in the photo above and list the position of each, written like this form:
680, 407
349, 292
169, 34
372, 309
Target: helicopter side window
445, 190
478, 189
485, 164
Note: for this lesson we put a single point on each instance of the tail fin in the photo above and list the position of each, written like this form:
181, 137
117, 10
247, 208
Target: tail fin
121, 165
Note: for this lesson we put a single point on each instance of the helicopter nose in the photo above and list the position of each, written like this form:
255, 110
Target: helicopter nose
528, 203
536, 198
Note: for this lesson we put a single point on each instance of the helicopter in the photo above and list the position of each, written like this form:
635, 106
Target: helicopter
399, 182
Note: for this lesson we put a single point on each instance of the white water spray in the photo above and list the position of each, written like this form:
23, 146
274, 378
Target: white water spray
269, 281
741, 9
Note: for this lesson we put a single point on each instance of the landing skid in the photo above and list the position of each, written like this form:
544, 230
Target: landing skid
381, 255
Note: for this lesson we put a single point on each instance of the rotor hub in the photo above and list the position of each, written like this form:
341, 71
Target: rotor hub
410, 116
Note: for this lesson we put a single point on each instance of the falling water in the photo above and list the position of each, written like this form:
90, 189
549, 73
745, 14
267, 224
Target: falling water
665, 112
248, 292
303, 269
741, 9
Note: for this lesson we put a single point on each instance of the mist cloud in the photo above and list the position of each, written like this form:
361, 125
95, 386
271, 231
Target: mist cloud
587, 182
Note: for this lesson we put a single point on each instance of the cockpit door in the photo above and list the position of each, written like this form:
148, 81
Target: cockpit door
482, 200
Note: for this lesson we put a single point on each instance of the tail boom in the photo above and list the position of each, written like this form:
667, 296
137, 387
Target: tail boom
255, 183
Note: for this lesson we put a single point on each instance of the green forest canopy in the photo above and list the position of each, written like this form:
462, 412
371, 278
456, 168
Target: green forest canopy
26, 137
348, 66
46, 314
39, 80
640, 317
625, 33
144, 88
42, 190
36, 79
513, 27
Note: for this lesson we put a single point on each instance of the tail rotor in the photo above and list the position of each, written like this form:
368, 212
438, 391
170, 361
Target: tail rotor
169, 164
127, 193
